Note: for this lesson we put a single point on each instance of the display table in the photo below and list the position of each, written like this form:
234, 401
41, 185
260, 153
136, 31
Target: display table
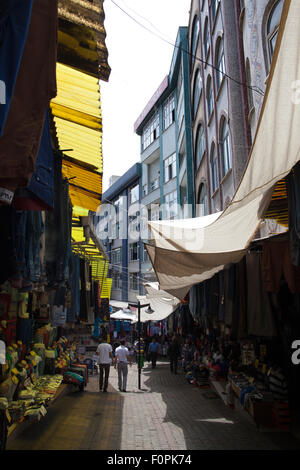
261, 412
18, 428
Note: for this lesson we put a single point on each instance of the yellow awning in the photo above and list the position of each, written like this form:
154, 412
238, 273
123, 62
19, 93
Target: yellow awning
85, 185
106, 289
80, 211
99, 269
278, 208
78, 122
81, 37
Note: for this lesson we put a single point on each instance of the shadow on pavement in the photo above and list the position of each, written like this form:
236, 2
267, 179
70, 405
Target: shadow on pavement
203, 418
88, 420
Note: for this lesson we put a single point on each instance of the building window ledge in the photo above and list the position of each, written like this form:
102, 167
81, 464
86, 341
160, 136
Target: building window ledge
206, 58
216, 16
225, 177
251, 114
220, 87
210, 118
241, 19
215, 193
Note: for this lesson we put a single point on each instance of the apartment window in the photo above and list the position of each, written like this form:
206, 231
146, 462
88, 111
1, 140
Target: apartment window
179, 81
117, 281
116, 256
206, 38
220, 63
197, 92
170, 167
151, 131
145, 256
134, 194
225, 148
134, 225
133, 281
117, 230
273, 26
153, 212
170, 204
154, 184
118, 204
195, 37
133, 252
202, 208
200, 145
249, 90
209, 97
214, 6
214, 169
169, 112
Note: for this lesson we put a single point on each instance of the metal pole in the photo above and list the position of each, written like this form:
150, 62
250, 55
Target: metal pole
139, 353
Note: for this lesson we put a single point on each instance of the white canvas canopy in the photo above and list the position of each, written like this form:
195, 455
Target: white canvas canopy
118, 304
161, 302
187, 252
120, 315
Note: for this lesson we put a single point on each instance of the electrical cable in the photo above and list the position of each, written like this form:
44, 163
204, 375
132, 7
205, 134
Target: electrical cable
255, 88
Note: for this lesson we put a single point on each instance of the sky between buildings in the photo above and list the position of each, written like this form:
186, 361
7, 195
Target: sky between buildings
139, 61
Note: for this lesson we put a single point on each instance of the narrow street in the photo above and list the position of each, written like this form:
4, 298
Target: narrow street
167, 414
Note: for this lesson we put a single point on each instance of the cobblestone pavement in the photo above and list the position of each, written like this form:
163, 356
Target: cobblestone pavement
166, 414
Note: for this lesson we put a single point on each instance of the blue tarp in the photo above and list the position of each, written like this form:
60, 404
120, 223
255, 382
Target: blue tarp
42, 180
14, 25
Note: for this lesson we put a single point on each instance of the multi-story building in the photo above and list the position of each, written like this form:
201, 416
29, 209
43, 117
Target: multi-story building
166, 145
259, 23
220, 131
119, 222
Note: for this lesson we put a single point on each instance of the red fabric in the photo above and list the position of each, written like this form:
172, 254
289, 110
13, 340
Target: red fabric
10, 332
35, 87
5, 300
276, 262
30, 204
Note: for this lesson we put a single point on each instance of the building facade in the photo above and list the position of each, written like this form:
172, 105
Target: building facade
220, 131
166, 141
119, 222
259, 23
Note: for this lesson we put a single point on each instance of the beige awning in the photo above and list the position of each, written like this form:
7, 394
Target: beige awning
190, 251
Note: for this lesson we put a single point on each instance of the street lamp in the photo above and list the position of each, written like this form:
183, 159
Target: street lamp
149, 311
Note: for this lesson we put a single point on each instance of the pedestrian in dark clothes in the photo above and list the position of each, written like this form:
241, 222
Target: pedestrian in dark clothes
174, 353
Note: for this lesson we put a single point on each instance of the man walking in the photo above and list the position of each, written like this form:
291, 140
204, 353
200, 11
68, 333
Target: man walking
153, 350
104, 351
121, 361
174, 353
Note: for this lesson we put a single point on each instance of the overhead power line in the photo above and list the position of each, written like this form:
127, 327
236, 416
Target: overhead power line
253, 88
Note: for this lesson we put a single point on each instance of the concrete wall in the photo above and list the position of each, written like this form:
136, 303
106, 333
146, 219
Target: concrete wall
228, 100
253, 23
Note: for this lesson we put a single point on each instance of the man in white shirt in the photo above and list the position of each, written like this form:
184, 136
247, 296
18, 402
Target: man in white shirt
121, 359
104, 351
